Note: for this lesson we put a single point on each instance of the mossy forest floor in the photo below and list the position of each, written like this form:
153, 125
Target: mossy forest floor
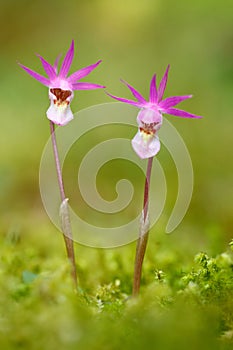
185, 302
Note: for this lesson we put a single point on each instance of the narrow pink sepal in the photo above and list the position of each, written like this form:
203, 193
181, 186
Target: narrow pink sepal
67, 61
181, 113
86, 86
136, 94
55, 66
81, 73
49, 70
35, 75
153, 90
173, 101
162, 85
131, 102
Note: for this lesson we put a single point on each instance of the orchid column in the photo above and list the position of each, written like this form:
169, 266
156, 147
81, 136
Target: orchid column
61, 93
146, 144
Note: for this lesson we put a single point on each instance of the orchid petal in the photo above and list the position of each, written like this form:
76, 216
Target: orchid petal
134, 103
67, 61
153, 90
180, 113
49, 70
55, 66
86, 86
81, 73
162, 85
59, 115
36, 76
59, 112
136, 94
145, 148
172, 101
149, 116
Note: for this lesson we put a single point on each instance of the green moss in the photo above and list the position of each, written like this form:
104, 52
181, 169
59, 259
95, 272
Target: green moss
176, 306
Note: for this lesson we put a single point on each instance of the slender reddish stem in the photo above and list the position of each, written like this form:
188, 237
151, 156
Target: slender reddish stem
147, 188
66, 226
143, 233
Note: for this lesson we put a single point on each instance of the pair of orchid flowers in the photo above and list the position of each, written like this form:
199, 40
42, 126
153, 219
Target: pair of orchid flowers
61, 92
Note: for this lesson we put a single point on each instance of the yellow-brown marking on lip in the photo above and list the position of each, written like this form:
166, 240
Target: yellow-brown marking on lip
149, 128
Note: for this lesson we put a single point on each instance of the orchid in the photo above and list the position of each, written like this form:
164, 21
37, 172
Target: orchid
146, 142
61, 87
61, 92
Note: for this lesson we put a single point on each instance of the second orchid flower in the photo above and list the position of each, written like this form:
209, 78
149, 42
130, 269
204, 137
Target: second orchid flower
146, 142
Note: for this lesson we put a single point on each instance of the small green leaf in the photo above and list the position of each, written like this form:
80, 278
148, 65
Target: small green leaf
28, 277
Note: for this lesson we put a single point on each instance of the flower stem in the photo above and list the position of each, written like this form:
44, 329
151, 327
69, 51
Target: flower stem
66, 226
143, 233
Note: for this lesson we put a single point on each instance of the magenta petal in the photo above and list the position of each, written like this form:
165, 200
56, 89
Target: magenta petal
50, 71
81, 73
162, 85
67, 61
86, 86
55, 66
180, 113
172, 101
136, 94
153, 90
36, 76
134, 103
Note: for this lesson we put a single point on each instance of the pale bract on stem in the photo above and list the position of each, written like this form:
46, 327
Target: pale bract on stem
64, 209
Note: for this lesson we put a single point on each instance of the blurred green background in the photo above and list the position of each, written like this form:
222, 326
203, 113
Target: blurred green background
134, 39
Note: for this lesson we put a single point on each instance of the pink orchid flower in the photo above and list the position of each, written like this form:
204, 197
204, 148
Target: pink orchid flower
61, 87
146, 142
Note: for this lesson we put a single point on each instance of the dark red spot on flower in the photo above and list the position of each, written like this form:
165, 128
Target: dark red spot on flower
61, 95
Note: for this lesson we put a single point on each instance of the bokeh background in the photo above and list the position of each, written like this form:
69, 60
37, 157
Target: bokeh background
134, 39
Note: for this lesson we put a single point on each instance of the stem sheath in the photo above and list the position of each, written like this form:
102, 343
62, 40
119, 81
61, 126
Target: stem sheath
143, 232
64, 210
